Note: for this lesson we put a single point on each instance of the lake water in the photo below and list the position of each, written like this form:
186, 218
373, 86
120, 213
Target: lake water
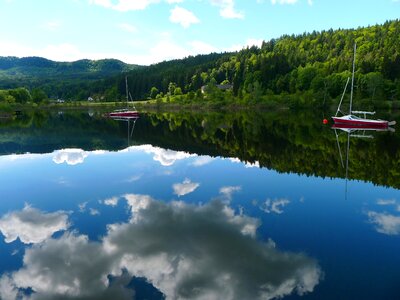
197, 206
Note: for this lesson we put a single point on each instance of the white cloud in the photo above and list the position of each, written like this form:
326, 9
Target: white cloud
134, 178
386, 202
198, 261
200, 47
202, 160
285, 1
164, 48
389, 202
137, 202
111, 201
124, 5
70, 267
385, 222
61, 52
184, 188
194, 261
31, 225
94, 212
52, 25
57, 52
167, 50
274, 206
127, 27
8, 290
227, 191
249, 43
183, 17
70, 156
255, 164
82, 206
227, 9
164, 156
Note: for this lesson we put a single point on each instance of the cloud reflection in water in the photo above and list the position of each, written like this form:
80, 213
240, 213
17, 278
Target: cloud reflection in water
386, 223
31, 225
186, 251
70, 156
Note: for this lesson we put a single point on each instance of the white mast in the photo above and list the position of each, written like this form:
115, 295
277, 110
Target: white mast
352, 79
126, 88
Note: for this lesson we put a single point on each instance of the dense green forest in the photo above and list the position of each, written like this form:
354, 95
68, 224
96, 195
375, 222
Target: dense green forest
314, 66
290, 142
70, 80
307, 69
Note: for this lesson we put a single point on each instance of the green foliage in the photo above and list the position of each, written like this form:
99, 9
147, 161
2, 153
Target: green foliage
18, 95
284, 141
153, 92
21, 95
312, 66
68, 80
38, 95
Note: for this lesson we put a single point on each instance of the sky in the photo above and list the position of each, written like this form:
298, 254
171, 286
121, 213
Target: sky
145, 32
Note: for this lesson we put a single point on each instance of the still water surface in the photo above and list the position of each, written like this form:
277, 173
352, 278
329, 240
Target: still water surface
197, 206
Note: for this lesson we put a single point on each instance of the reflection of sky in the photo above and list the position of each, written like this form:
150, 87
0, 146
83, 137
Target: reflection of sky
387, 218
216, 216
186, 251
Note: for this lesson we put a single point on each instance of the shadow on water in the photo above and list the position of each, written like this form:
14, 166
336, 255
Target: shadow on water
289, 142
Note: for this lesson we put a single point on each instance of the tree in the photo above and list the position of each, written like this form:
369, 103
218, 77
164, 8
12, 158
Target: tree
38, 95
178, 91
153, 92
171, 88
21, 95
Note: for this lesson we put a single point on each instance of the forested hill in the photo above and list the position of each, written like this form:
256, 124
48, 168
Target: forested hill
37, 66
57, 79
316, 63
313, 67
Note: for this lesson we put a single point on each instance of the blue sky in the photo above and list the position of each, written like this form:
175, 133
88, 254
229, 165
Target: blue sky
148, 31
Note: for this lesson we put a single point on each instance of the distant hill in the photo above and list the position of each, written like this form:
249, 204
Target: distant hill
57, 79
11, 66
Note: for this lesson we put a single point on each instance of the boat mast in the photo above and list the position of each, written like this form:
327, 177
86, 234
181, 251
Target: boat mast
126, 88
341, 99
352, 79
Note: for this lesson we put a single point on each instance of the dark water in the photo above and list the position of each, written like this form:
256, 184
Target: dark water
197, 206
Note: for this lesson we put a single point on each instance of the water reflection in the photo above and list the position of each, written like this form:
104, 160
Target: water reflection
206, 205
70, 156
186, 251
272, 140
387, 221
31, 225
165, 157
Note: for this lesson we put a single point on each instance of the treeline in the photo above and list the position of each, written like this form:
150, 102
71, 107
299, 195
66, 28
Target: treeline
314, 66
289, 142
21, 96
68, 80
307, 69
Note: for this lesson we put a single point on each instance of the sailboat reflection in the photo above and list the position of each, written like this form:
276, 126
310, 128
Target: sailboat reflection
354, 131
129, 120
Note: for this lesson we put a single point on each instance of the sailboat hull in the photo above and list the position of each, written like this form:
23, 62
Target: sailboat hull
124, 114
354, 121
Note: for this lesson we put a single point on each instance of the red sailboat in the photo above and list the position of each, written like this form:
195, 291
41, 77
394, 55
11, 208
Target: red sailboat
126, 112
351, 119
